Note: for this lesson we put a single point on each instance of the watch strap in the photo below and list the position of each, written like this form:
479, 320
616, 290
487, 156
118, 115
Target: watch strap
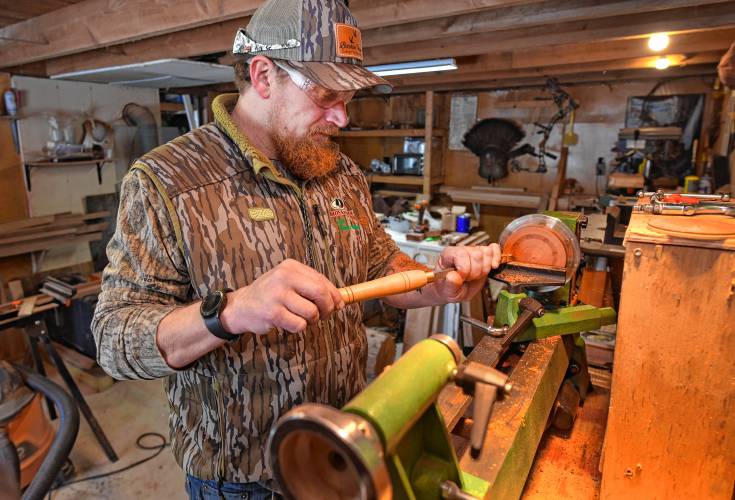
214, 324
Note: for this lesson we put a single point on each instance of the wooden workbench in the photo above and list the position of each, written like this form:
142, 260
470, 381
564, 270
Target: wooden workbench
671, 426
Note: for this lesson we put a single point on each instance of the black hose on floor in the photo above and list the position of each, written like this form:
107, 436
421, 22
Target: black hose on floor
64, 439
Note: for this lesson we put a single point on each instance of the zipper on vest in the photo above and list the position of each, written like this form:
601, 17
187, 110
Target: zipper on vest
325, 237
308, 229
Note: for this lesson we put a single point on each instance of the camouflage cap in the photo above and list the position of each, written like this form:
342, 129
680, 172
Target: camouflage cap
318, 38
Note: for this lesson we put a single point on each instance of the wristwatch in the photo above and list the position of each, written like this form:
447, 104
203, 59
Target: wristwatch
210, 309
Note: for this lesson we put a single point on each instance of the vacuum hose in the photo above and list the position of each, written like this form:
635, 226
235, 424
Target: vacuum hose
64, 439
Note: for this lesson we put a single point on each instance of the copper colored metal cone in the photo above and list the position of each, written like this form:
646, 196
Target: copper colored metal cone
543, 253
536, 245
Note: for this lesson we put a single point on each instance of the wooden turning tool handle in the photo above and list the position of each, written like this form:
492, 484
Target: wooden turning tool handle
390, 285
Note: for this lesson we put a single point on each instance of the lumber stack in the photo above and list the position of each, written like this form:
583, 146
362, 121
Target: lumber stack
42, 233
17, 309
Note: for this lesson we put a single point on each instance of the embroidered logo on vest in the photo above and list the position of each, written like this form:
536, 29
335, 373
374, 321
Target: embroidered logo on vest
261, 214
345, 218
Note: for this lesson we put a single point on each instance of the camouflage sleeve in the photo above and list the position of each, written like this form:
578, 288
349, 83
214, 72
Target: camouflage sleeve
145, 279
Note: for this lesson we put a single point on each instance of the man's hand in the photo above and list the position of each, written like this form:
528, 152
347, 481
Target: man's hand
289, 296
472, 266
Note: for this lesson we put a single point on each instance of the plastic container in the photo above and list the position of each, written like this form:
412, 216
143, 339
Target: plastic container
463, 223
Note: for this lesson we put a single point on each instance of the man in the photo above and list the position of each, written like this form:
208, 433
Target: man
259, 215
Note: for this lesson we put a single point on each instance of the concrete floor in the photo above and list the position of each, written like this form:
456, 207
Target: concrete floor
125, 411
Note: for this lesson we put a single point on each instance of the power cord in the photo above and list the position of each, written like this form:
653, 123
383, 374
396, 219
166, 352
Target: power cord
139, 443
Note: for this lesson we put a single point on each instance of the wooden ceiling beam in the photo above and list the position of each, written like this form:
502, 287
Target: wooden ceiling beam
218, 38
208, 39
525, 16
93, 24
596, 52
612, 28
97, 23
703, 71
555, 70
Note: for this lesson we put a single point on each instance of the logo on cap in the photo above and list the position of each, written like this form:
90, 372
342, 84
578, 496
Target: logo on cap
349, 41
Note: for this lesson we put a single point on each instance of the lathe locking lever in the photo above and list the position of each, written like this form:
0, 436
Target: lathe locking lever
531, 309
482, 382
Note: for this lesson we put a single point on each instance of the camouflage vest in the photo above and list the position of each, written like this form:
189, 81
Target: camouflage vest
236, 216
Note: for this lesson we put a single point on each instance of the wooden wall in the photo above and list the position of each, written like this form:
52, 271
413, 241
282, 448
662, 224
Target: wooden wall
400, 111
12, 192
599, 118
12, 207
62, 189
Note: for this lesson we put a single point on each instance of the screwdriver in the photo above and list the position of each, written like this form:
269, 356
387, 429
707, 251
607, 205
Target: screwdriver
402, 282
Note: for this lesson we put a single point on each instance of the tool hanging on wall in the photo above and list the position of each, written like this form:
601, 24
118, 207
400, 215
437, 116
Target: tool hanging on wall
565, 105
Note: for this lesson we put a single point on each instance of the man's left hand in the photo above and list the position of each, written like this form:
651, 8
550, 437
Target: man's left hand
472, 266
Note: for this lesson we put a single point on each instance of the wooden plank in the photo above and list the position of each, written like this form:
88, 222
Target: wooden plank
619, 27
497, 198
36, 245
94, 23
13, 204
97, 23
518, 421
397, 132
10, 227
517, 18
428, 178
36, 236
561, 174
218, 38
27, 306
564, 69
567, 466
672, 408
639, 232
413, 180
192, 42
617, 76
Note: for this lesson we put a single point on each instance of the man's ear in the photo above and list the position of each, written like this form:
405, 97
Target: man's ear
262, 70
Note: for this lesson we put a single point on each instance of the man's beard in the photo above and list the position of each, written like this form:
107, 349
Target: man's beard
307, 157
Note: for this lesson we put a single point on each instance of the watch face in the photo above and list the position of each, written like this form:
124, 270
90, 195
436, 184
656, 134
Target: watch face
210, 304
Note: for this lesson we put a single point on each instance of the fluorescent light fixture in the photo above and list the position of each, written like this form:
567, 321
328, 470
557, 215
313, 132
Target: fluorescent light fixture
658, 42
407, 68
662, 63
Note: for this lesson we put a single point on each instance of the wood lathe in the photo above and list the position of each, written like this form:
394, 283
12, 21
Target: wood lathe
411, 434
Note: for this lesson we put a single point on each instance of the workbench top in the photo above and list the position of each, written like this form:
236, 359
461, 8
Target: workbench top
639, 231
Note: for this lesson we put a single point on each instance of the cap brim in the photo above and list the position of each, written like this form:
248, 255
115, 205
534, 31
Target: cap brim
341, 76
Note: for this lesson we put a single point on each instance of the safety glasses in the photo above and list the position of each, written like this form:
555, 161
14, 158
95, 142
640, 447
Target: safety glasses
321, 96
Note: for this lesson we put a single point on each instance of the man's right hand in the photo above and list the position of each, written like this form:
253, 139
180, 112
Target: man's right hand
290, 296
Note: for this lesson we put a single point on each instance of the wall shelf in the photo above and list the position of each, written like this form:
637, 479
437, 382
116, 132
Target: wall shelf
411, 180
80, 163
382, 143
392, 132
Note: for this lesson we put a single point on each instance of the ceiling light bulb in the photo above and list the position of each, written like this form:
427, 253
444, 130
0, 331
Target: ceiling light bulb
658, 42
662, 63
